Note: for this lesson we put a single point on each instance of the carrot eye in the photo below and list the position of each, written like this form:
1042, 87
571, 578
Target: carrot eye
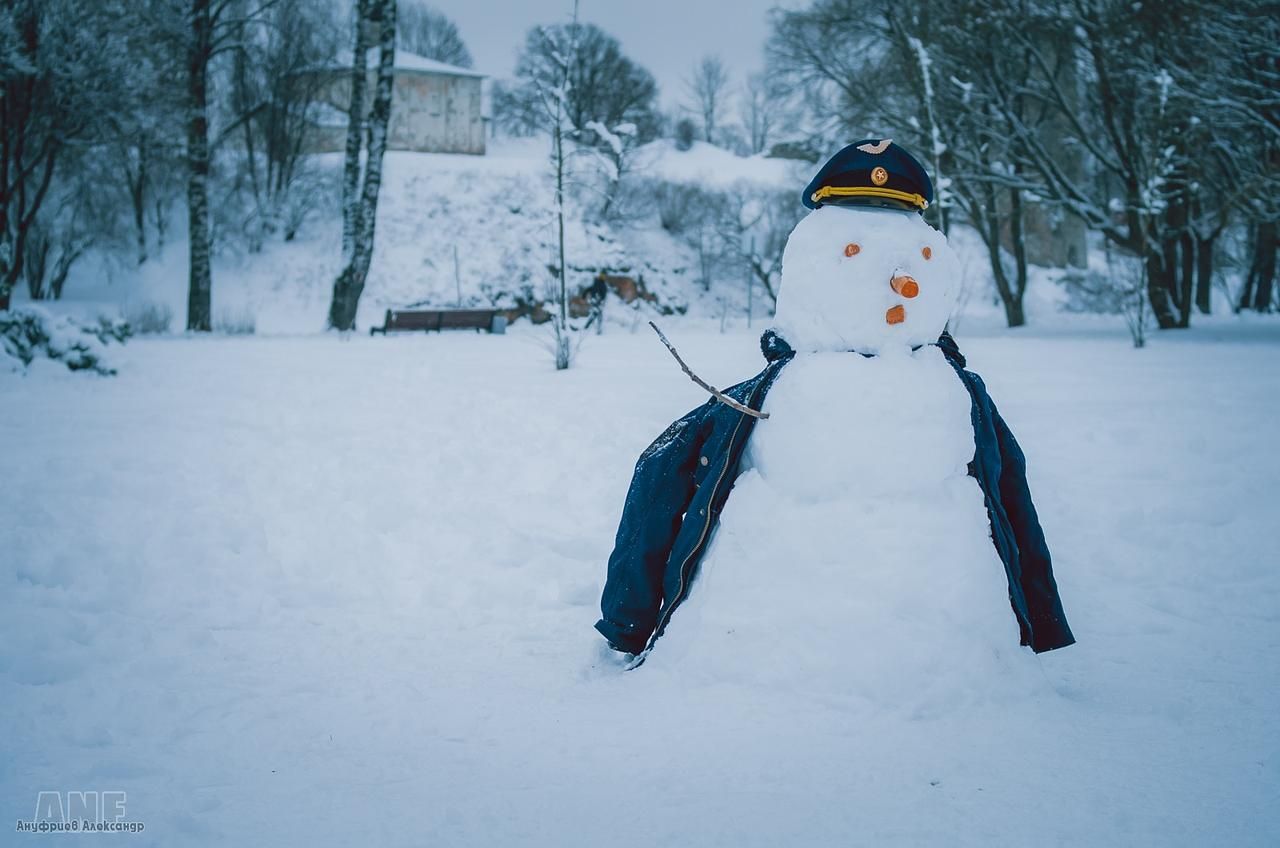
851, 249
927, 253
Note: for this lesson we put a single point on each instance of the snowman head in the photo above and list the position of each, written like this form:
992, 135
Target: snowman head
865, 279
863, 271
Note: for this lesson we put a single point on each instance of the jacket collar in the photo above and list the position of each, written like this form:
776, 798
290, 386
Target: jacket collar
951, 350
775, 347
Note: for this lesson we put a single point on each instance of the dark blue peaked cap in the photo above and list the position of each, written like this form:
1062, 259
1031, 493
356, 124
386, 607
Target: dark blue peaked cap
871, 172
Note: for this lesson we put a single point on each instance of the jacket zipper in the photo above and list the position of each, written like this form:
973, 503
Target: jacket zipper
684, 577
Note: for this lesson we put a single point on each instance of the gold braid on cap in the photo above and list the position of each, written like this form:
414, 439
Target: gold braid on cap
915, 200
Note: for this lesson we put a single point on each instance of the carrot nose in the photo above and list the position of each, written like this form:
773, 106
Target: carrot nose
905, 285
896, 314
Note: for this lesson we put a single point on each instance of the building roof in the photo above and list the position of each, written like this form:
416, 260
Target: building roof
405, 61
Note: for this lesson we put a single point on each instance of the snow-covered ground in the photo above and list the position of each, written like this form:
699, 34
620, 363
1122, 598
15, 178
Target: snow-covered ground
305, 590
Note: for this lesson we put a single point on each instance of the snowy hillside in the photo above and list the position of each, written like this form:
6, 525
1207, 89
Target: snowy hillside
313, 592
495, 210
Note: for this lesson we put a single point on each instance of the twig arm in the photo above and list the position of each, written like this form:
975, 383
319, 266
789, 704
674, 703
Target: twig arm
716, 393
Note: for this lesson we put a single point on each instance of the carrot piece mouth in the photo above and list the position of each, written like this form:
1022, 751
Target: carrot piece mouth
896, 314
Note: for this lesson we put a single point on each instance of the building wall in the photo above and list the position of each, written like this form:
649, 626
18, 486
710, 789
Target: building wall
430, 113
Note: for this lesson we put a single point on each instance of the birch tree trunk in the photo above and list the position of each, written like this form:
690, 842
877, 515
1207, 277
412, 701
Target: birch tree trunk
562, 295
355, 132
349, 285
200, 279
563, 351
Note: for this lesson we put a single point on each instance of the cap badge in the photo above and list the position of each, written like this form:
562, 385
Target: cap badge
877, 148
879, 175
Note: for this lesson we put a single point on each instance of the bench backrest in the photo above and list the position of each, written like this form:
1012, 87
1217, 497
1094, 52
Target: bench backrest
437, 319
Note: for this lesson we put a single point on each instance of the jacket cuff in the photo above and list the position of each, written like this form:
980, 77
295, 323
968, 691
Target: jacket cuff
628, 640
1050, 634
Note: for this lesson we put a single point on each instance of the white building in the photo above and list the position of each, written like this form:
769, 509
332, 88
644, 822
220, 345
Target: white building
435, 107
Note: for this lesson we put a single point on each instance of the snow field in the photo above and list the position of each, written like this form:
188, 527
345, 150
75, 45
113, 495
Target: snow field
313, 591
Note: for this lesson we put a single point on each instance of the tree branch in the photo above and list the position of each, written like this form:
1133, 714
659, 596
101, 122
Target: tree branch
716, 393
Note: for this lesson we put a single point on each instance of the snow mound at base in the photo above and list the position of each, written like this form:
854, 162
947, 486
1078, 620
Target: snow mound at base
854, 560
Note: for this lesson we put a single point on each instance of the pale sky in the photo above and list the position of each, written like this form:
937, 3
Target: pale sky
665, 36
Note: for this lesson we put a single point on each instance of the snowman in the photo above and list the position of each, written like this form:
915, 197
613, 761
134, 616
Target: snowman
855, 518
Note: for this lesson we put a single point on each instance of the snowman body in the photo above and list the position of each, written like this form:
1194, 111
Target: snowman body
854, 556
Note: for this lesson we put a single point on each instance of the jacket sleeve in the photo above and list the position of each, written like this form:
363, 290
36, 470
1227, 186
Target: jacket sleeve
1044, 606
661, 489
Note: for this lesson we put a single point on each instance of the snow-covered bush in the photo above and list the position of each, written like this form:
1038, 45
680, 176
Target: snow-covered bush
732, 232
149, 318
678, 204
1120, 290
1092, 291
108, 329
30, 332
686, 134
239, 322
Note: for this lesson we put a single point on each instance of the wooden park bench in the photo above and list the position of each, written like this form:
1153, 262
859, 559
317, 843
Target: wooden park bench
427, 320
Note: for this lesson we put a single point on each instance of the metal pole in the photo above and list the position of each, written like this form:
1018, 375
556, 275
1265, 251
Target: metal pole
457, 275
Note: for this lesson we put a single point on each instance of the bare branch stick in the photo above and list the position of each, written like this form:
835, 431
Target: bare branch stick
716, 393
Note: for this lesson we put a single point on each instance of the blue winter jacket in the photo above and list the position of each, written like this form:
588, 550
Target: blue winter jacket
683, 480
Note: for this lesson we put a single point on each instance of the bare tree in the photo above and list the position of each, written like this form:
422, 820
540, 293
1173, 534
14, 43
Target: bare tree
213, 27
1143, 139
708, 87
86, 107
141, 136
1244, 90
972, 120
1109, 112
760, 106
360, 190
742, 229
755, 230
561, 129
428, 32
273, 101
603, 83
1137, 93
615, 148
52, 249
552, 85
1120, 289
147, 164
887, 61
52, 67
77, 215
